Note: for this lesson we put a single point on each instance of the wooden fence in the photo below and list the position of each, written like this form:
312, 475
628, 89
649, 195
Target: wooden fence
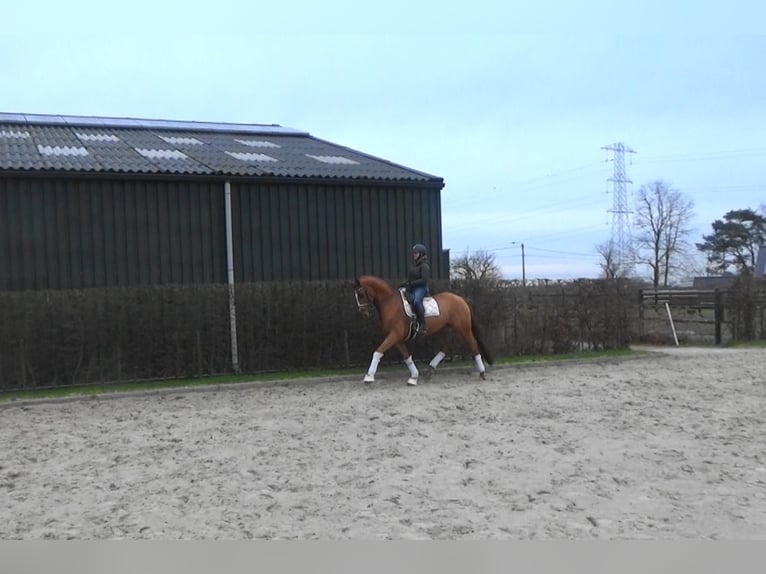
741, 310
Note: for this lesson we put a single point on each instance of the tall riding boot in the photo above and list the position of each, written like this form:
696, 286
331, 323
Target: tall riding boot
422, 329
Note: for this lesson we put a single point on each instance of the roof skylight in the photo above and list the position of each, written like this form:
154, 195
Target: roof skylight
61, 150
181, 141
97, 137
250, 156
334, 159
14, 134
256, 143
162, 153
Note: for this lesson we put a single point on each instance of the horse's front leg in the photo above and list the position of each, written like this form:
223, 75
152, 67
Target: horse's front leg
414, 374
391, 340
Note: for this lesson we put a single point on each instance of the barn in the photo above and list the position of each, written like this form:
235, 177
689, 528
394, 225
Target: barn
99, 202
122, 241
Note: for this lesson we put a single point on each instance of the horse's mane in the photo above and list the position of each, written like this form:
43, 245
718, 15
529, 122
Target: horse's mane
377, 284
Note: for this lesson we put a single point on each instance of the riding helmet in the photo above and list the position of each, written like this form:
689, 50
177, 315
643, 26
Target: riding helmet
419, 248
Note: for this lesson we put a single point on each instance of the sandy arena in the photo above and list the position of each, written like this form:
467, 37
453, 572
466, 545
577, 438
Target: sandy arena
666, 446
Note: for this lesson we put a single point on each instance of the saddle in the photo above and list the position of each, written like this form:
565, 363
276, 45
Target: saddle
430, 306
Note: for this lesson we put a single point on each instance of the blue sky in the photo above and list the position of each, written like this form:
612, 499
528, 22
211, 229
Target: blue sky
510, 104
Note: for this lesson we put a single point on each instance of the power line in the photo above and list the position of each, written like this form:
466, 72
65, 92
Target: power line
699, 156
566, 234
507, 248
491, 216
556, 174
548, 209
730, 188
531, 184
618, 211
559, 252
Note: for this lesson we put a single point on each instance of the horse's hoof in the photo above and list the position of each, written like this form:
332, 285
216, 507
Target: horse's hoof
482, 376
369, 379
412, 381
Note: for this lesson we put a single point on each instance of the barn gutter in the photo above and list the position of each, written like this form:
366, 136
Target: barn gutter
230, 277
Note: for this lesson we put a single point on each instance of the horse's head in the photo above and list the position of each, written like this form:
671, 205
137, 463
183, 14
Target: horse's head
365, 298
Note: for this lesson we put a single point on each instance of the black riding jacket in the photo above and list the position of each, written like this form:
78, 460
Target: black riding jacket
419, 273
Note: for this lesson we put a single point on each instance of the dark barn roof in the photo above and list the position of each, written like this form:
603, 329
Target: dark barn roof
39, 143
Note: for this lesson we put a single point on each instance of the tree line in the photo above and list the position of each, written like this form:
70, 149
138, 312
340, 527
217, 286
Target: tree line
661, 243
663, 225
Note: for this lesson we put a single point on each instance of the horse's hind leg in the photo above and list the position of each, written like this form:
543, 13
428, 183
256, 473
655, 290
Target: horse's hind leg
474, 345
438, 357
480, 366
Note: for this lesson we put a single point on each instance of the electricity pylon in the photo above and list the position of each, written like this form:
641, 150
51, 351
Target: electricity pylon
621, 237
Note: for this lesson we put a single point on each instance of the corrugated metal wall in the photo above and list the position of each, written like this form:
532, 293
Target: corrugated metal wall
66, 233
315, 232
60, 233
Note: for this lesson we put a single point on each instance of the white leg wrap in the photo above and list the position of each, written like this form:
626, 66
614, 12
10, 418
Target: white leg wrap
376, 357
411, 366
437, 359
479, 363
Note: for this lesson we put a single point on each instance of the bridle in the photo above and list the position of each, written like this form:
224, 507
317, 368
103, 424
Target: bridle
363, 307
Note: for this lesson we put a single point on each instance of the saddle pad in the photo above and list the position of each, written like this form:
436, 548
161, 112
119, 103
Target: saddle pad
429, 304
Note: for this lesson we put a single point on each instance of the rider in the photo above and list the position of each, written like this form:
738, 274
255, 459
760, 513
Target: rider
417, 283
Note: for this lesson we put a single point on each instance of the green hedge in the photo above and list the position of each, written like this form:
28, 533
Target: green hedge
65, 338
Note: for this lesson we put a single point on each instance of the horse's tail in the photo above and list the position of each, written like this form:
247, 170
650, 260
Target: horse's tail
480, 340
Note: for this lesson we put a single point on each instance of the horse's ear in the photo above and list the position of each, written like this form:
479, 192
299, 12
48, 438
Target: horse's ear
356, 282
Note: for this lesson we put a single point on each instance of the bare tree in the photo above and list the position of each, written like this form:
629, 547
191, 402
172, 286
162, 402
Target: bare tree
663, 218
692, 265
477, 266
610, 260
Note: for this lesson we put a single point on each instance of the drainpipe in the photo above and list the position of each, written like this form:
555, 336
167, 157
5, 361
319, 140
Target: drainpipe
230, 278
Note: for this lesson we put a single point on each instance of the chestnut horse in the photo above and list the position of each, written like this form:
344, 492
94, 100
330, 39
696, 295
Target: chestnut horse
454, 312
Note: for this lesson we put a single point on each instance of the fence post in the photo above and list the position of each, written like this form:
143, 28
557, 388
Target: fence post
718, 316
672, 325
230, 277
